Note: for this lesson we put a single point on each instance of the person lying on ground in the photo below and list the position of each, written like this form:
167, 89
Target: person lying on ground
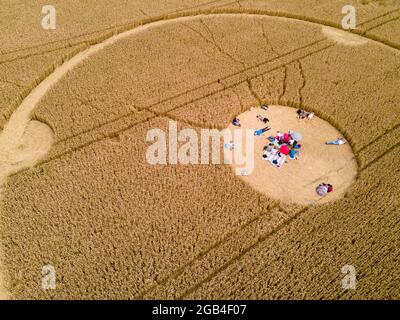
236, 122
261, 131
262, 118
337, 142
302, 114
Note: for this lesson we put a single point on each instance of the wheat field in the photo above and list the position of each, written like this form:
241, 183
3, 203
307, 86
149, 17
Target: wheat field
77, 192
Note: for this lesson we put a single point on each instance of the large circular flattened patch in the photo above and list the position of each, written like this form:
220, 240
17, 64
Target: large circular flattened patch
296, 180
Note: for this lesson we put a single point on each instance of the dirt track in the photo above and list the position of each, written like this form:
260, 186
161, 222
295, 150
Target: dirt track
93, 208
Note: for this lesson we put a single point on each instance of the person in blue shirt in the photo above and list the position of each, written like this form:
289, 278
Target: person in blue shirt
261, 131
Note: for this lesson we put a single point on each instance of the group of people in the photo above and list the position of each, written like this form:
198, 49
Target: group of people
289, 139
259, 132
280, 147
287, 144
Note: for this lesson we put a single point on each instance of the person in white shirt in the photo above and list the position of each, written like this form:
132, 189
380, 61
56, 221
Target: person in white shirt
337, 142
